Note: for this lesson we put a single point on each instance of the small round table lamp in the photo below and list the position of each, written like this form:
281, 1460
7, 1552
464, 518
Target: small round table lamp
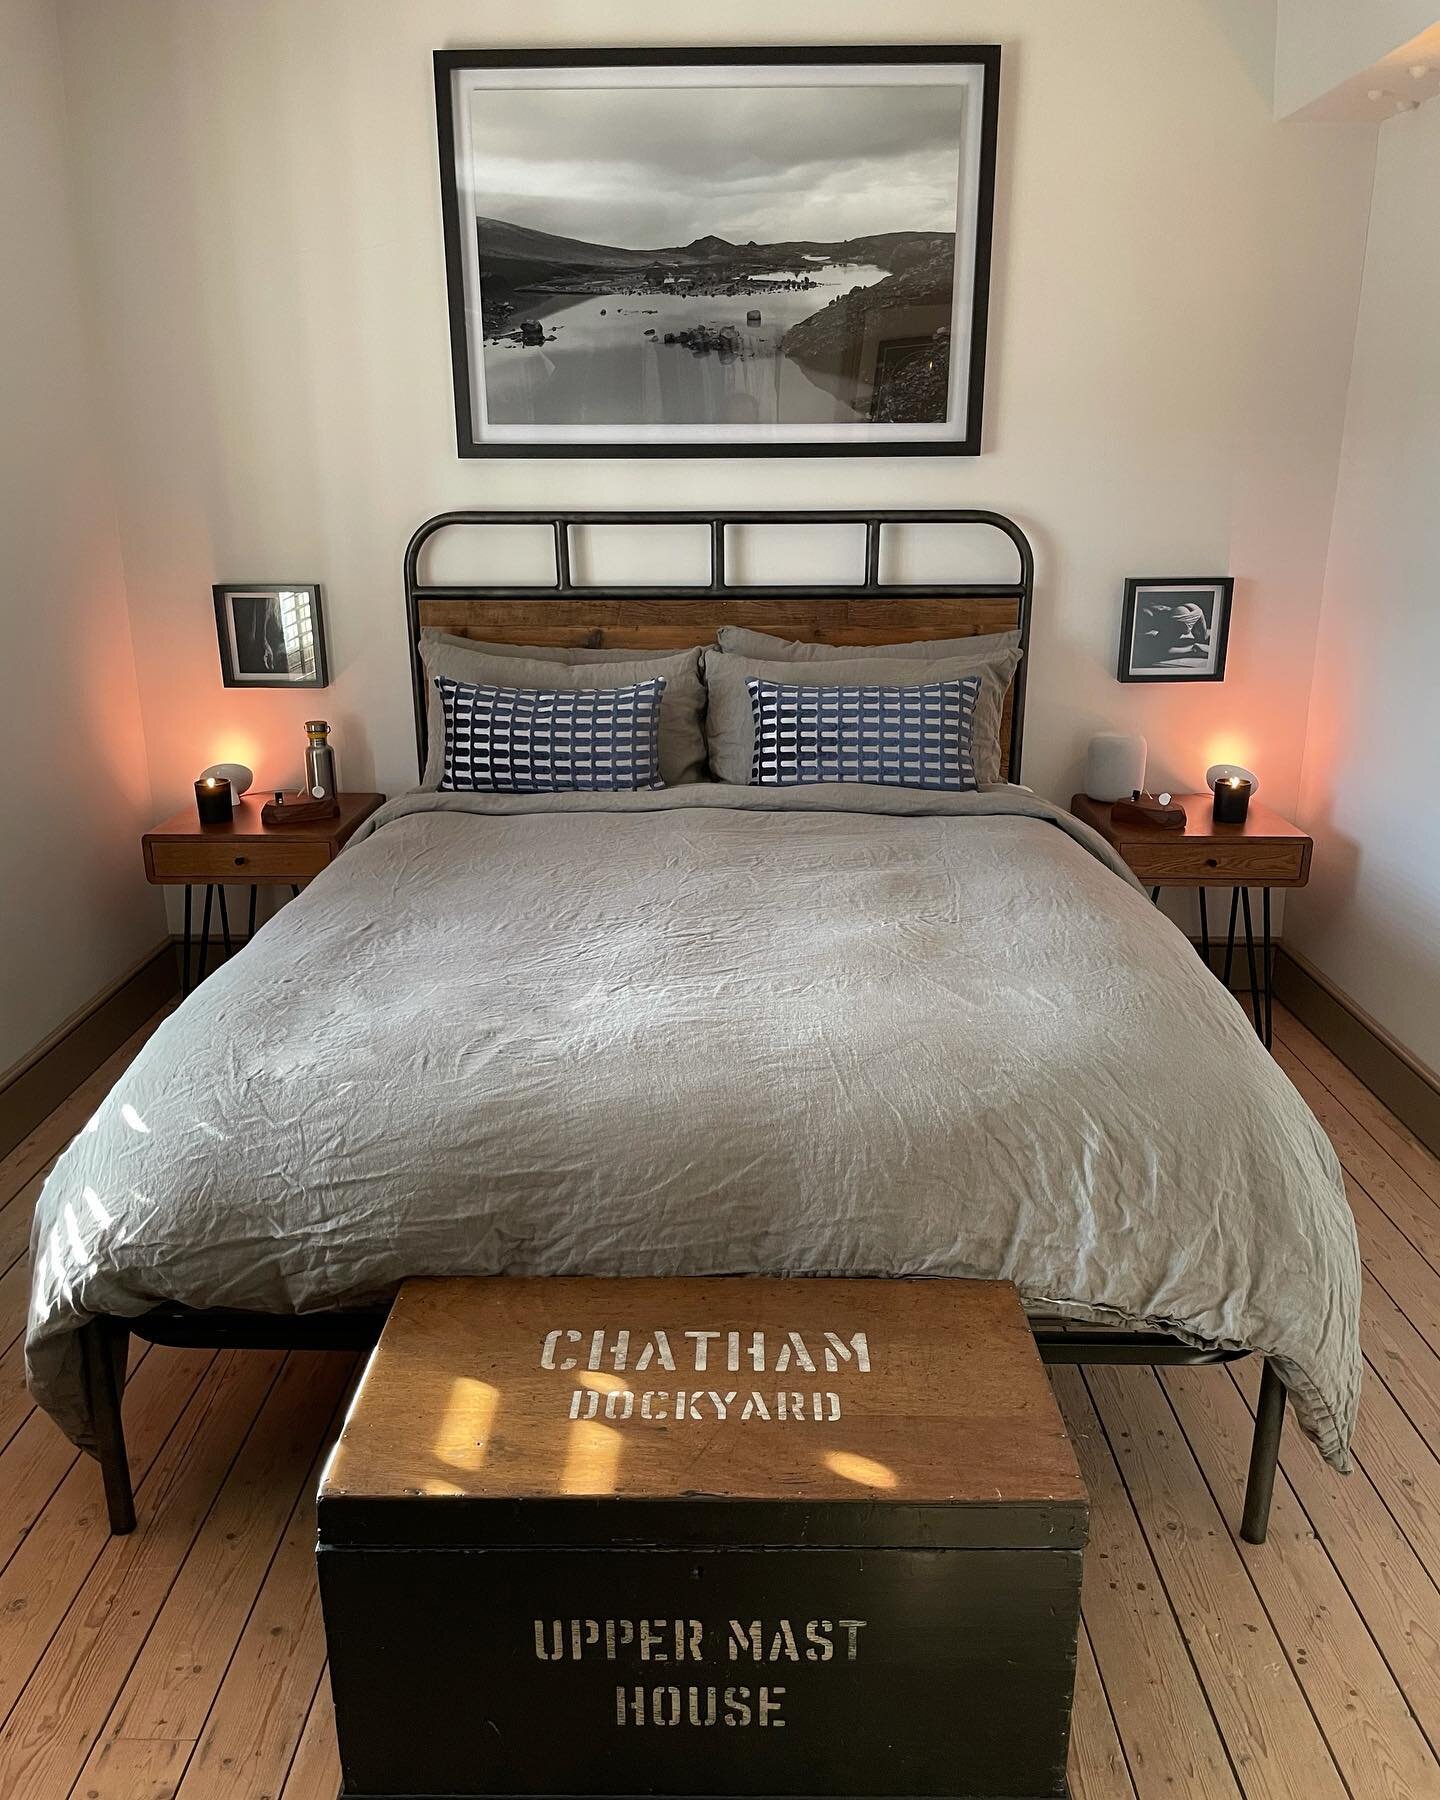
1232, 785
240, 778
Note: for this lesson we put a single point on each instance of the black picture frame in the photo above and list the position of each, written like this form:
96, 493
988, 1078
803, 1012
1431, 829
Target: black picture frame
964, 439
1171, 655
259, 623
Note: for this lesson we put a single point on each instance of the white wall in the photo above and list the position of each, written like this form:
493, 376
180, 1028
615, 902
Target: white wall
1175, 285
76, 910
1371, 919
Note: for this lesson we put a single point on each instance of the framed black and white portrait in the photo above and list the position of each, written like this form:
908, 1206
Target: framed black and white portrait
270, 636
718, 252
1175, 628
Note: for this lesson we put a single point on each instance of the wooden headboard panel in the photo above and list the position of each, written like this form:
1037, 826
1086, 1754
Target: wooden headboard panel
864, 611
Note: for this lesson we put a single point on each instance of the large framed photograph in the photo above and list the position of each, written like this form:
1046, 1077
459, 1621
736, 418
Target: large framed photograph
718, 252
1175, 628
271, 636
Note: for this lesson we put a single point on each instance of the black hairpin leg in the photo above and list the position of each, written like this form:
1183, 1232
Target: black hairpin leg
205, 934
185, 950
250, 922
1230, 935
1250, 957
1264, 1455
294, 890
1204, 928
1261, 1002
1269, 970
103, 1344
1155, 896
225, 922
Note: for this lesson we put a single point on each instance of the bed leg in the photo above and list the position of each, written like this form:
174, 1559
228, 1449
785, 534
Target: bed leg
1264, 1455
103, 1344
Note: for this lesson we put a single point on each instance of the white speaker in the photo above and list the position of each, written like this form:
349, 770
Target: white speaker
1115, 766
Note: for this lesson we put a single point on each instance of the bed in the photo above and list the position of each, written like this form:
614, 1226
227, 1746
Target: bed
710, 1030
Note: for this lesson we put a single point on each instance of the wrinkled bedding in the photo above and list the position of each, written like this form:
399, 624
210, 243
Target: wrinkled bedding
714, 1030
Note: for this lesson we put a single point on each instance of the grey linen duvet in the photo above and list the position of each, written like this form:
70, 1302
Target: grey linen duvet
714, 1030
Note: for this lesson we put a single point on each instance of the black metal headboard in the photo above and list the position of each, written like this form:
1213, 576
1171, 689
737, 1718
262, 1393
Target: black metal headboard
675, 614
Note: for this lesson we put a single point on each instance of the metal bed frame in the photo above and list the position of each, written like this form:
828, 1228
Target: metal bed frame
105, 1340
869, 586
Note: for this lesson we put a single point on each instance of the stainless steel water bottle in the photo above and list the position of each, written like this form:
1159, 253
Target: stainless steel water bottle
320, 781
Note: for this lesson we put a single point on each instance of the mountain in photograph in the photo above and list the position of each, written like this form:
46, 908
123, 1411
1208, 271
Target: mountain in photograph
514, 256
518, 257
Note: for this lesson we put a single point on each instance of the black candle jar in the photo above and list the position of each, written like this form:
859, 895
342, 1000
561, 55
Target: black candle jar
1232, 800
213, 800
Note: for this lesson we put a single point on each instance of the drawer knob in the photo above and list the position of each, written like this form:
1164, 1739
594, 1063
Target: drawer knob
239, 862
1211, 862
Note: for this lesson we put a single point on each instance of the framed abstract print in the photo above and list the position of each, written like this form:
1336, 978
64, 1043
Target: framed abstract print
718, 252
1175, 628
271, 635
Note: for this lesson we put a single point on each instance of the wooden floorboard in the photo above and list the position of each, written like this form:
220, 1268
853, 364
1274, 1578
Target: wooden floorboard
50, 1567
260, 1709
1258, 1702
187, 1662
1098, 1770
1356, 1697
1392, 1136
315, 1771
160, 1713
1164, 1722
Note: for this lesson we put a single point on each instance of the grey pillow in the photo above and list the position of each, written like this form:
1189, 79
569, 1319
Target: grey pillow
739, 640
730, 724
682, 710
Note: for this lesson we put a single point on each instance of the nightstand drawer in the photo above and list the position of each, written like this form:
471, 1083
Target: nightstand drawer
1246, 862
237, 861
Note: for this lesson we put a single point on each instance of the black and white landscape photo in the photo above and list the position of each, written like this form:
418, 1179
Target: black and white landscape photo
755, 256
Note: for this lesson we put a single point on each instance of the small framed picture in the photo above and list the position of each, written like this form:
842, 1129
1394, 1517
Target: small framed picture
1175, 628
271, 636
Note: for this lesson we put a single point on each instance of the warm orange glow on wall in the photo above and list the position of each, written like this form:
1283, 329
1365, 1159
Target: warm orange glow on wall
1229, 747
244, 747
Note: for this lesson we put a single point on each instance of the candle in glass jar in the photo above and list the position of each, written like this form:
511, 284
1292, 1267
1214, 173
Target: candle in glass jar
213, 800
1232, 800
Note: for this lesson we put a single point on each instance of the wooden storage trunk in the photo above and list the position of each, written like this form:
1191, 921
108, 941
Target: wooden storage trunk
711, 1537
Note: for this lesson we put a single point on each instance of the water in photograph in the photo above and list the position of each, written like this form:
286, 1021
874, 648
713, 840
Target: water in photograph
605, 362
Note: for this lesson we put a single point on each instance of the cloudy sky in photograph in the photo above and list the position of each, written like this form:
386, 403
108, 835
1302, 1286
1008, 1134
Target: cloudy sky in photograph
648, 168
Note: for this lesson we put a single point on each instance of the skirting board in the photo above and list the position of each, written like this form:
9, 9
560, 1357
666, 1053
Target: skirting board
77, 1050
1406, 1086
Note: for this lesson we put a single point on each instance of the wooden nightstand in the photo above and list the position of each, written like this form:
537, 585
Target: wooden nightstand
1265, 852
184, 853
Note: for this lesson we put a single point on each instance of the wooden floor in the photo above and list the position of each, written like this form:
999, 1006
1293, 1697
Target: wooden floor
188, 1660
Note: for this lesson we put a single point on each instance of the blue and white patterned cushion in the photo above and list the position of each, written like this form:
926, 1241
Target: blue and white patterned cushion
895, 736
503, 740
